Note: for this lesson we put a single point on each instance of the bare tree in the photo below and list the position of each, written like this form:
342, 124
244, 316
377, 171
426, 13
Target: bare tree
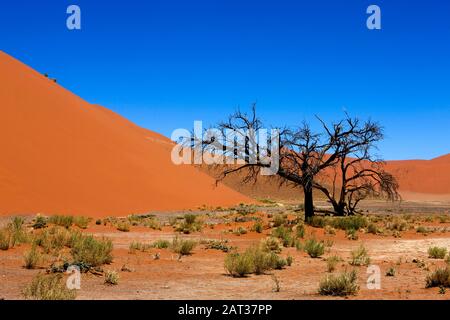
342, 149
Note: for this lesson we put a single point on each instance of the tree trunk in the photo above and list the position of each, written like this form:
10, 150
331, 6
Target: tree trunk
309, 204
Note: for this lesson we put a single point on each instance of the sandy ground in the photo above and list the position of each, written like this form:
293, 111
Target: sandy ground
202, 275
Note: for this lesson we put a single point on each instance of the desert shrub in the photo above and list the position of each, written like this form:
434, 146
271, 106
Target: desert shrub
390, 272
275, 261
161, 244
63, 221
422, 229
123, 226
372, 228
300, 230
40, 222
98, 222
271, 244
439, 278
221, 245
91, 252
238, 265
443, 219
289, 260
329, 230
32, 257
258, 227
397, 224
111, 277
243, 209
153, 223
81, 222
239, 231
437, 252
53, 239
351, 234
348, 223
332, 262
261, 260
48, 287
318, 221
344, 284
314, 248
5, 239
17, 232
183, 246
360, 257
285, 235
189, 224
279, 220
138, 246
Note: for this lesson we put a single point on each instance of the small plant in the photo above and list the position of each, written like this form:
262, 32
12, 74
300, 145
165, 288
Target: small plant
437, 252
332, 262
372, 228
98, 222
111, 277
63, 221
238, 265
271, 244
189, 224
32, 257
276, 284
314, 248
439, 278
442, 290
258, 227
138, 246
300, 230
123, 226
239, 231
48, 287
360, 257
81, 222
91, 252
279, 220
344, 284
40, 222
183, 247
289, 260
161, 244
422, 230
5, 239
221, 245
390, 272
351, 234
329, 230
285, 235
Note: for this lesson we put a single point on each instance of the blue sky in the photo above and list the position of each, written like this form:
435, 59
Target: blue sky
164, 64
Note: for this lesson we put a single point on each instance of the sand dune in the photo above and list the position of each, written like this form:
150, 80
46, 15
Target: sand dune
62, 155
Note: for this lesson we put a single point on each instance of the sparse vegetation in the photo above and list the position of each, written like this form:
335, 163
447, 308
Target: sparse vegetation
123, 226
48, 287
63, 221
39, 222
360, 257
271, 244
314, 248
81, 222
32, 257
161, 244
439, 278
190, 223
111, 277
90, 252
183, 247
344, 284
351, 234
332, 262
437, 252
285, 235
390, 272
258, 227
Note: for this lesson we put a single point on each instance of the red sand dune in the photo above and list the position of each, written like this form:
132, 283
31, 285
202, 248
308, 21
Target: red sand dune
62, 155
423, 179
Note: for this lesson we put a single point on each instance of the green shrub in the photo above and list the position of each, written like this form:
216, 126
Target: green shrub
63, 221
285, 235
344, 284
239, 231
182, 246
138, 246
32, 257
111, 277
5, 239
360, 257
372, 228
189, 224
153, 224
17, 231
390, 272
81, 222
123, 226
221, 245
351, 234
258, 227
437, 252
244, 210
271, 244
289, 260
91, 252
422, 229
161, 244
332, 263
48, 287
439, 278
279, 220
314, 248
300, 230
40, 222
238, 265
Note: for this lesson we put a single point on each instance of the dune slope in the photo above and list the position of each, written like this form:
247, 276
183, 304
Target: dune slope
62, 155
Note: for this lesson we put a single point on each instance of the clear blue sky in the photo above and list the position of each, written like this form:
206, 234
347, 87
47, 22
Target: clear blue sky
164, 64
